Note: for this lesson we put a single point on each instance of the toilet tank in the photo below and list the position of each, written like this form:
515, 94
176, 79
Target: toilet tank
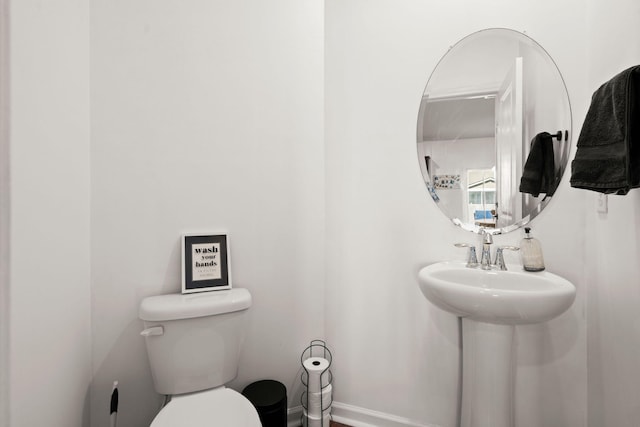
194, 341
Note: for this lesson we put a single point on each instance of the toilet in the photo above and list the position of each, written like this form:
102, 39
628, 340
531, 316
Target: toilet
193, 343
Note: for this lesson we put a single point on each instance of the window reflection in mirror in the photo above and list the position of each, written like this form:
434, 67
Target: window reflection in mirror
481, 197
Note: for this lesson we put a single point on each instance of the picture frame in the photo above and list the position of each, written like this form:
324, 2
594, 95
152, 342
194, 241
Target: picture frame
205, 262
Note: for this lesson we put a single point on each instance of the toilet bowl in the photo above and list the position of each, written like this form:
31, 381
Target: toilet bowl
217, 407
193, 344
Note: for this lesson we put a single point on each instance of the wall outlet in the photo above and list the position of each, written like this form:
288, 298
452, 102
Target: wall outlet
603, 203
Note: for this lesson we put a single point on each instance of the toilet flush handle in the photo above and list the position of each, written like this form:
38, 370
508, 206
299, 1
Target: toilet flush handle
152, 331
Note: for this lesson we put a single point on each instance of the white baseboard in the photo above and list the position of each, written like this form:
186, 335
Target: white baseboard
357, 417
294, 416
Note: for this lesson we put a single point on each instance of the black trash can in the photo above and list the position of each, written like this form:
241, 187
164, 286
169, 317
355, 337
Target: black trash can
270, 400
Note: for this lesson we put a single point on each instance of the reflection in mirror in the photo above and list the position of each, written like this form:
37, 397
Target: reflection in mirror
484, 103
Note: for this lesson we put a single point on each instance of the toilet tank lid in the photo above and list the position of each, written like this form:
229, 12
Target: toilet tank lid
180, 306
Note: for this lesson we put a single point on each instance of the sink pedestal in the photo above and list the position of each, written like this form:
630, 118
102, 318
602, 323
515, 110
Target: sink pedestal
487, 374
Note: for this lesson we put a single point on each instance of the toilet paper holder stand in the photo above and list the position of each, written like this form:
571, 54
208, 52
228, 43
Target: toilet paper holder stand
317, 348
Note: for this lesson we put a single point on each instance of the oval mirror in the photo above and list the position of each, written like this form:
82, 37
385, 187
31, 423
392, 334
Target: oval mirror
493, 131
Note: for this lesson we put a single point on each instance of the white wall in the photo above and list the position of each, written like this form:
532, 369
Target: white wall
49, 319
4, 213
206, 115
613, 269
393, 351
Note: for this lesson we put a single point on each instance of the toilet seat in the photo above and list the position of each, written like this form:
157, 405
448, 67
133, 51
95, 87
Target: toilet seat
216, 407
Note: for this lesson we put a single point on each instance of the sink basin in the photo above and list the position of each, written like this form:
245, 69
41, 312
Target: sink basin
511, 297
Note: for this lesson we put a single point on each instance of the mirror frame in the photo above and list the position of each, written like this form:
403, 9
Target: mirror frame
561, 162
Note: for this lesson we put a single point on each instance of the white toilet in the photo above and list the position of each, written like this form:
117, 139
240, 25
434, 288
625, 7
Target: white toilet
193, 342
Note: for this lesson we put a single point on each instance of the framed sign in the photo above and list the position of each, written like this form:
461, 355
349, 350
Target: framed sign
205, 262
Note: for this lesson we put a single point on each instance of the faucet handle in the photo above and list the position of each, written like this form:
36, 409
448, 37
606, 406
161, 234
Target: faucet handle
472, 260
500, 256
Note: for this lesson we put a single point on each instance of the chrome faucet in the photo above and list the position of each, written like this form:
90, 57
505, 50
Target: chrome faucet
485, 259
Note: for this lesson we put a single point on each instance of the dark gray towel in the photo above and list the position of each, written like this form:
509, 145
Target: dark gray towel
538, 174
608, 155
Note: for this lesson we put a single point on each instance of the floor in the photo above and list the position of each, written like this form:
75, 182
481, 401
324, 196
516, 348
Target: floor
335, 424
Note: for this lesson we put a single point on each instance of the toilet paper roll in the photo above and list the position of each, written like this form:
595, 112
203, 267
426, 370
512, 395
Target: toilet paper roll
309, 421
317, 402
318, 372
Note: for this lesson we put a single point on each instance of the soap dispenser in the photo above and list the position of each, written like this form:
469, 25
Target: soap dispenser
531, 251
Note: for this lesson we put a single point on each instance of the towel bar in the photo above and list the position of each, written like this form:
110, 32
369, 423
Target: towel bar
558, 135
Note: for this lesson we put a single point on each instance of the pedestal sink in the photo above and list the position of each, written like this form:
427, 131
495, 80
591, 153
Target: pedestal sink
491, 303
